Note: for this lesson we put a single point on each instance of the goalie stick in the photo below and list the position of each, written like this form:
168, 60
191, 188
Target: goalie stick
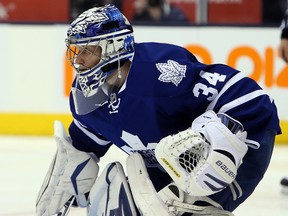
65, 210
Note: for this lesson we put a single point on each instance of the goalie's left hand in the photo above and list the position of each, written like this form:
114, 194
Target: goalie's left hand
203, 159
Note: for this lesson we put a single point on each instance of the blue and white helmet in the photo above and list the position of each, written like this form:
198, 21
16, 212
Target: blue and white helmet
104, 27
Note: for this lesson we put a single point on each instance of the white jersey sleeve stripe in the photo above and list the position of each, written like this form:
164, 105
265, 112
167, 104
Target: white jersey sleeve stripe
91, 135
230, 82
241, 100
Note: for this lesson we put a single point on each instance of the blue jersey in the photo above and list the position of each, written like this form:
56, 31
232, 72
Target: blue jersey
166, 89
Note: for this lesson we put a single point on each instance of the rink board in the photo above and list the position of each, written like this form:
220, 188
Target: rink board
35, 93
42, 124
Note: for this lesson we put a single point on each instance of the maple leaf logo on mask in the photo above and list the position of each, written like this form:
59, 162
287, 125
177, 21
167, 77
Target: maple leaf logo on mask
171, 71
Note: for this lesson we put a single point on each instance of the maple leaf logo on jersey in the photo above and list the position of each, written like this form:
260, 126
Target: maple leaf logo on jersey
171, 71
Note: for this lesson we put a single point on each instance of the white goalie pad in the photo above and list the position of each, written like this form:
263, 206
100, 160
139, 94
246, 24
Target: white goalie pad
204, 159
147, 200
71, 175
111, 194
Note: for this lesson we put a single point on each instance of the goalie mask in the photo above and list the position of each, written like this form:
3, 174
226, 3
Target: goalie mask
98, 43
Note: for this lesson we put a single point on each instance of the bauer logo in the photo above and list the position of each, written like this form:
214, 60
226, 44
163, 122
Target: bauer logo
225, 169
